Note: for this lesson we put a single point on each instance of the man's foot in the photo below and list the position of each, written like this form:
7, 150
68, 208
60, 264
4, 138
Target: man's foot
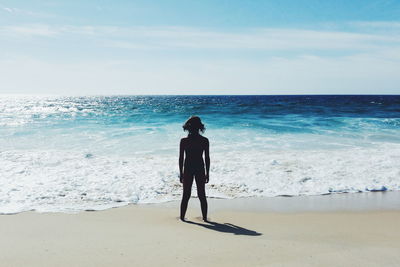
182, 219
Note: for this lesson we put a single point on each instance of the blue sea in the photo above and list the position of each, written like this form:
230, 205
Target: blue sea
69, 154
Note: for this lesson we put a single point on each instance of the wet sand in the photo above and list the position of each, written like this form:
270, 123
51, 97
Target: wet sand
243, 232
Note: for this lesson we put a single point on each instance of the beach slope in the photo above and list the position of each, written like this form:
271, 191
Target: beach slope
151, 235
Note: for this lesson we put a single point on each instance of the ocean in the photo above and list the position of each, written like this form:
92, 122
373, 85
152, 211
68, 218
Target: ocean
70, 154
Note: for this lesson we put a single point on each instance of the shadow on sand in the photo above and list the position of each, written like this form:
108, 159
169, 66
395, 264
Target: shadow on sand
226, 228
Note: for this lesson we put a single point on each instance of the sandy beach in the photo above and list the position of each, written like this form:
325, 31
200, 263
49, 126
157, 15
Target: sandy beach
283, 116
151, 235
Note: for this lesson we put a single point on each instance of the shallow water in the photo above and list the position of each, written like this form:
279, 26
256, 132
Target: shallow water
78, 153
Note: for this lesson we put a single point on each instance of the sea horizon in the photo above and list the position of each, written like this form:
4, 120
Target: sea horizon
112, 94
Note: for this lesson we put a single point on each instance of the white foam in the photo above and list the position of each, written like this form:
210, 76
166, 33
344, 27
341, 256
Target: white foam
76, 180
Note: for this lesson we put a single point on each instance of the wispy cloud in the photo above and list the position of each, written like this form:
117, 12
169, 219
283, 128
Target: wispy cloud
128, 60
8, 9
31, 30
271, 39
24, 12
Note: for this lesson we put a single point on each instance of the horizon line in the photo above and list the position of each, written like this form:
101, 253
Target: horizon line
40, 94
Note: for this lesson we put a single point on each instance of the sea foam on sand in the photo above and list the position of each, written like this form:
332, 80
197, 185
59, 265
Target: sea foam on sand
71, 181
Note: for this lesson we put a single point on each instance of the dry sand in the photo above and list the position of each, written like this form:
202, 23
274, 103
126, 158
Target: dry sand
151, 235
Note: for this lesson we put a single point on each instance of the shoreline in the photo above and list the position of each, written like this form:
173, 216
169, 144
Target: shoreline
362, 201
250, 234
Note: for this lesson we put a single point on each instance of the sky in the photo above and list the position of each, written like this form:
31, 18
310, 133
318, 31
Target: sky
73, 47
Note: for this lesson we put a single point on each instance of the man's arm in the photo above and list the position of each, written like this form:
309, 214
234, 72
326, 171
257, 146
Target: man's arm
207, 158
181, 155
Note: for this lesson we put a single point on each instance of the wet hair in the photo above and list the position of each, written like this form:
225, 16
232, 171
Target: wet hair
193, 125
